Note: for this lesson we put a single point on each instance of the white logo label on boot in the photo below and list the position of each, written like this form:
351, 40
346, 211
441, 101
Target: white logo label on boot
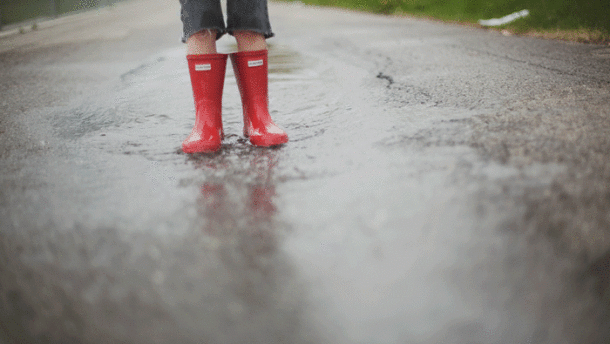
255, 63
203, 67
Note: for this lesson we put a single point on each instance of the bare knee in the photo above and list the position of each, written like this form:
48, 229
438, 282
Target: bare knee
202, 42
249, 40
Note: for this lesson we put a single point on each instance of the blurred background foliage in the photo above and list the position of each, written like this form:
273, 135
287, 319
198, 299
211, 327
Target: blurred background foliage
14, 11
544, 14
592, 16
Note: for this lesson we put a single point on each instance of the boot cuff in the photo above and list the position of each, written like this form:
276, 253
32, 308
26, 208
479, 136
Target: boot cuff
207, 57
254, 53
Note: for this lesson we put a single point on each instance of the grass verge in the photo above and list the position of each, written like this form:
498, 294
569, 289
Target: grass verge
575, 20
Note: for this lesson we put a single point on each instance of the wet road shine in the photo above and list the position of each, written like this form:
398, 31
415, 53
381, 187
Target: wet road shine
406, 207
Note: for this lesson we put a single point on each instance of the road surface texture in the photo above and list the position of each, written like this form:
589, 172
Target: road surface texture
442, 184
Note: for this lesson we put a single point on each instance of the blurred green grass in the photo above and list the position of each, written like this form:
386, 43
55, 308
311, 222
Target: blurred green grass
15, 11
569, 16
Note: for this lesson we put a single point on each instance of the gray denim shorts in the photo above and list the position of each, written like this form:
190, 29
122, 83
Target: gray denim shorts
248, 15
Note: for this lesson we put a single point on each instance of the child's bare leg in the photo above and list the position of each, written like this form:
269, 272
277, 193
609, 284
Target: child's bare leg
202, 42
249, 40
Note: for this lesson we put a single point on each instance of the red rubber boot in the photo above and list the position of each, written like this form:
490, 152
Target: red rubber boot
250, 69
207, 78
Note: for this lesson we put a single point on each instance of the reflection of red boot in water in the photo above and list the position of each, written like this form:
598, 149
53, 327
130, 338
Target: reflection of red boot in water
251, 72
214, 208
213, 196
261, 201
207, 79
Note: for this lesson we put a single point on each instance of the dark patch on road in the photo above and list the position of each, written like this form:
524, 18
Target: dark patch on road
600, 269
388, 78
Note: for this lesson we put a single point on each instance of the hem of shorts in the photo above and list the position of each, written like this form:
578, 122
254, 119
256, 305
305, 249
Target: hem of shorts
267, 34
219, 32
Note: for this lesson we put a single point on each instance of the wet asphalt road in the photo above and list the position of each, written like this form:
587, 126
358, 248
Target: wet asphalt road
442, 184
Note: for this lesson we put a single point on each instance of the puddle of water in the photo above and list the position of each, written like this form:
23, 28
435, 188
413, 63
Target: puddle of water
284, 61
345, 234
